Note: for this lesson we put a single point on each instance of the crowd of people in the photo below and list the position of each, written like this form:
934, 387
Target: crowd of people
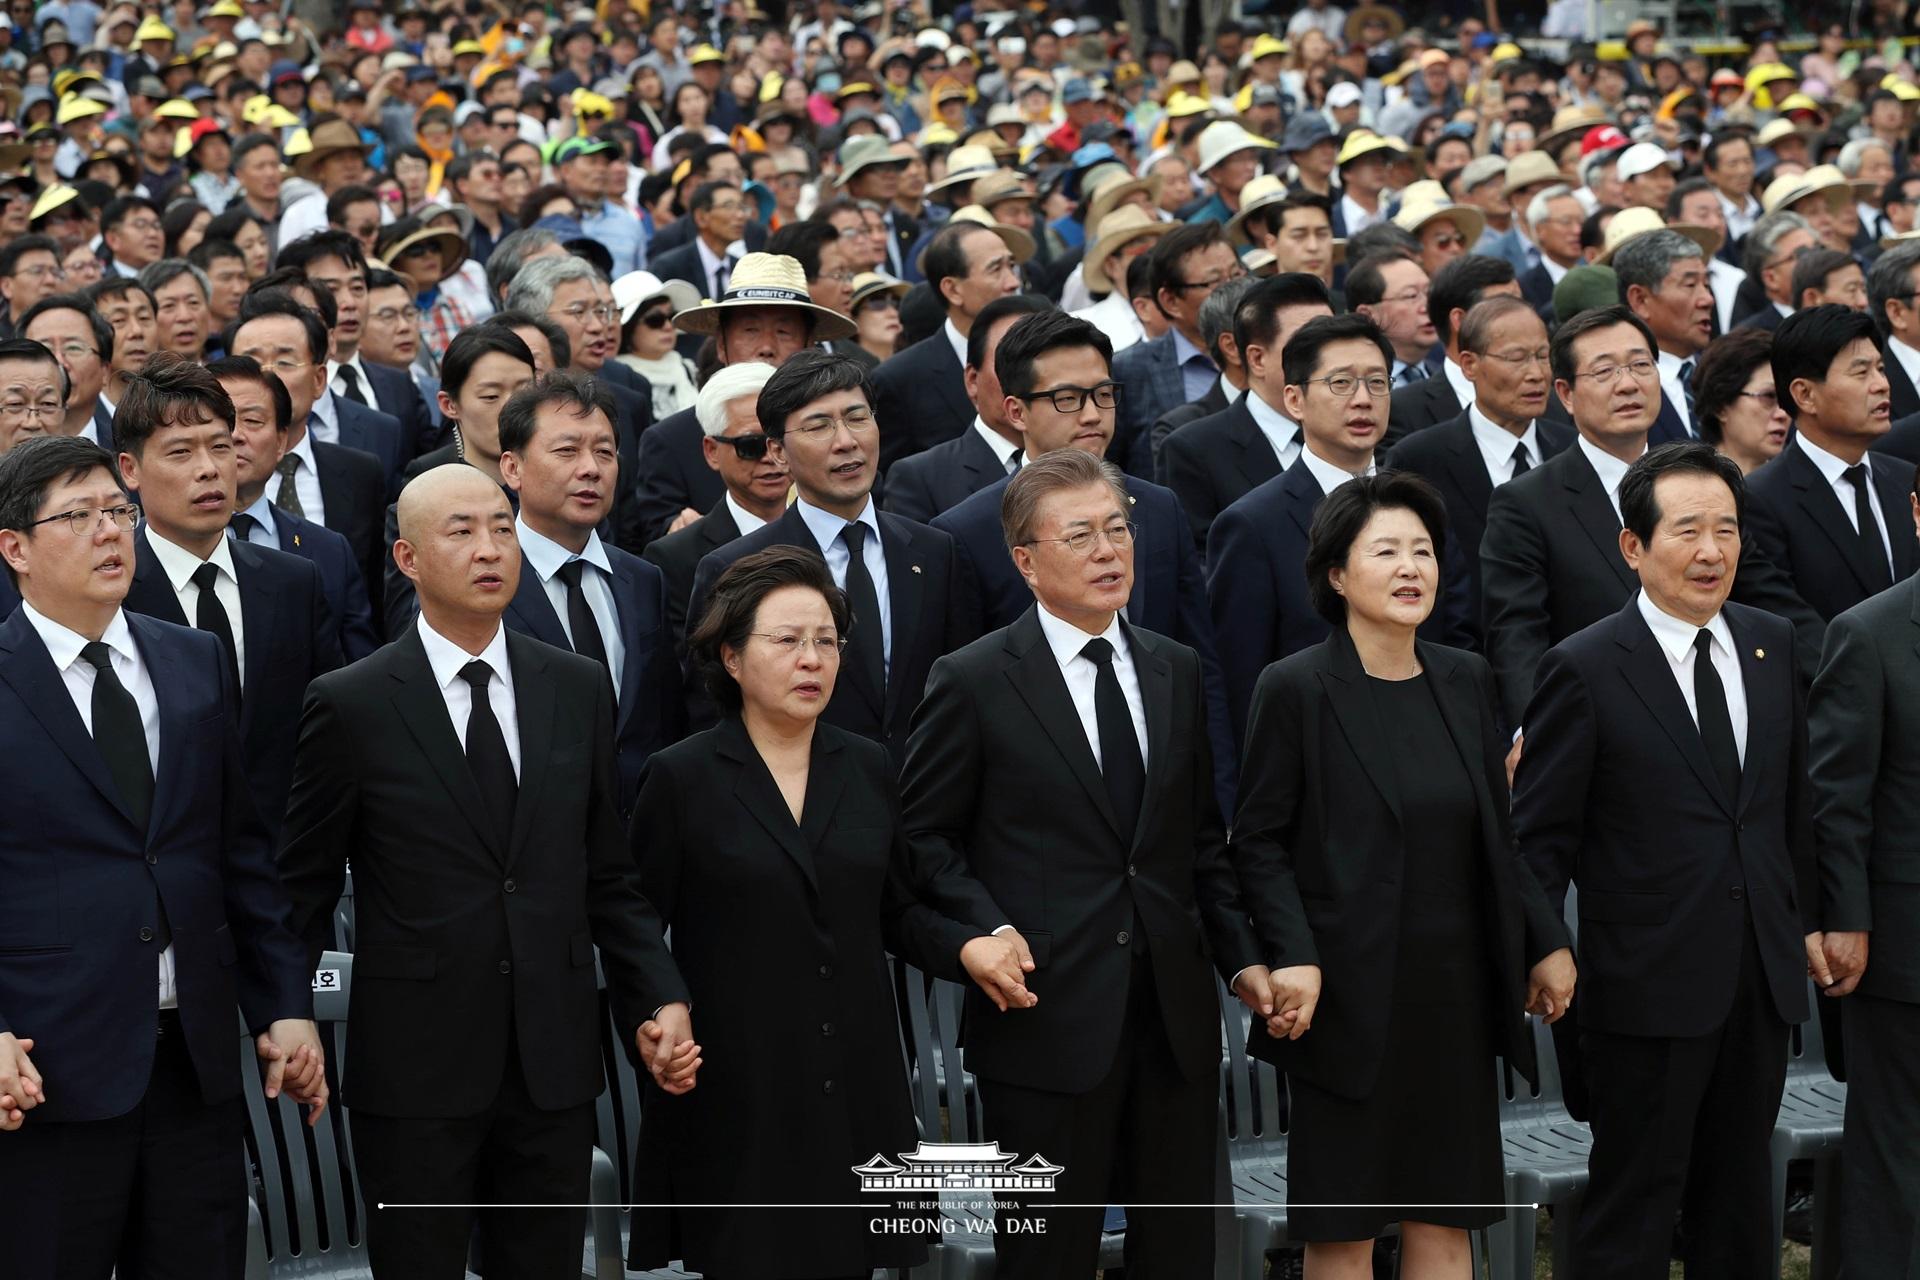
711, 516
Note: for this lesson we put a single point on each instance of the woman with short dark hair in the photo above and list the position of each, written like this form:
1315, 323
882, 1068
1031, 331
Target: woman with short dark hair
1375, 789
1735, 403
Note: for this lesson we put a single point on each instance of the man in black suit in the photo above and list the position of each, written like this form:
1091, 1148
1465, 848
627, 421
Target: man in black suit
899, 576
1212, 463
468, 771
558, 452
1216, 330
1663, 280
1707, 875
712, 162
67, 325
1070, 750
756, 482
1862, 731
141, 905
718, 212
1895, 309
936, 480
1503, 434
1444, 393
265, 607
923, 390
1550, 560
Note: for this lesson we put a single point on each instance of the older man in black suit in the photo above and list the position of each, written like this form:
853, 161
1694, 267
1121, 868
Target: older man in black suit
1444, 394
1709, 874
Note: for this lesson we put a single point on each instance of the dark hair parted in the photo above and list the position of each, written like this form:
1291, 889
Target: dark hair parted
247, 369
278, 302
1343, 515
1460, 286
1367, 279
1274, 216
27, 349
1300, 358
20, 247
1562, 353
1170, 250
557, 340
165, 393
801, 241
1256, 317
331, 243
1048, 474
734, 604
464, 352
804, 378
946, 254
110, 287
37, 464
1811, 269
1037, 335
1639, 505
576, 394
1807, 343
1014, 304
102, 331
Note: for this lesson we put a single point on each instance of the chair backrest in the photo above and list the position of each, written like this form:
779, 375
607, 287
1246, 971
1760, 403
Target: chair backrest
1522, 1105
1807, 1046
343, 916
938, 1078
1255, 1117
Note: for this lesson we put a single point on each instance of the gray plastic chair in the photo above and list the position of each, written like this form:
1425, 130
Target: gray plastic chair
1813, 1111
1256, 1142
1546, 1160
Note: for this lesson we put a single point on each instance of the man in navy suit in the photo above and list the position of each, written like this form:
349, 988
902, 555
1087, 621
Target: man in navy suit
558, 451
142, 906
67, 325
1338, 374
176, 440
262, 411
1042, 362
1663, 280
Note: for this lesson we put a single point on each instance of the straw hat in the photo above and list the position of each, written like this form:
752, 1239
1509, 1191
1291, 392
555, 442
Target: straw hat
1118, 229
636, 289
866, 152
1256, 195
765, 280
1362, 142
1569, 123
1777, 130
1637, 221
964, 164
998, 186
1416, 215
329, 139
1366, 13
871, 284
50, 199
1224, 138
1530, 169
1105, 193
403, 235
1784, 193
1017, 241
177, 109
1183, 72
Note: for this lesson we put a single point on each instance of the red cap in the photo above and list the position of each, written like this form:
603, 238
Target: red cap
1602, 137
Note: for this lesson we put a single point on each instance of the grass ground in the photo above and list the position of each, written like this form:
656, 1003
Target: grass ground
1796, 1263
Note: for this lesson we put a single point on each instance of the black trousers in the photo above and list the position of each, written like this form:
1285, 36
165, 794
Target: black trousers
1656, 1103
155, 1194
1880, 1155
511, 1154
1145, 1135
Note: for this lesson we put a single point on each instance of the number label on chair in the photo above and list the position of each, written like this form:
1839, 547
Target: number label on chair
326, 980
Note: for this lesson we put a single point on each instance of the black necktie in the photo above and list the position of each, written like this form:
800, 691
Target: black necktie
241, 526
584, 627
1120, 763
353, 392
487, 751
866, 649
1686, 392
1015, 460
1413, 373
722, 273
210, 615
1521, 463
1716, 725
122, 740
1873, 556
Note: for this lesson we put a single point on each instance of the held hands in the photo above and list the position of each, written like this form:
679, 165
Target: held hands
666, 1043
686, 517
1550, 986
1296, 994
295, 1062
999, 963
1254, 986
20, 1087
1513, 758
1846, 957
1817, 961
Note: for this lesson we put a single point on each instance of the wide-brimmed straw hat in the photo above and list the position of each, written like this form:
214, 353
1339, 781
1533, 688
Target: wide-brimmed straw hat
1117, 230
1639, 220
405, 234
765, 280
329, 139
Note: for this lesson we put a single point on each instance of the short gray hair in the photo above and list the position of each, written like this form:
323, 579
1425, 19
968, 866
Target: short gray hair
1048, 474
1537, 208
1766, 236
1855, 151
1891, 277
1216, 314
1646, 259
157, 275
534, 284
734, 382
512, 253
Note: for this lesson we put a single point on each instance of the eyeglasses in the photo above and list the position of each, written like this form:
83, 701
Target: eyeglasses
285, 365
1073, 399
391, 315
838, 277
605, 313
1522, 359
750, 447
45, 410
143, 224
1182, 286
1769, 399
821, 426
75, 351
1607, 374
1119, 536
1344, 385
657, 319
83, 522
42, 271
788, 646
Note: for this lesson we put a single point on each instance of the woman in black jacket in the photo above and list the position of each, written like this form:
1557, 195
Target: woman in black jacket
1411, 937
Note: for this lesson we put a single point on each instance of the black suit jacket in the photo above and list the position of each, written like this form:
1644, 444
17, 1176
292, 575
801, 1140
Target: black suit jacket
1902, 439
1796, 518
678, 556
377, 433
1536, 286
1767, 317
921, 398
682, 262
1863, 724
1008, 822
648, 699
1906, 401
1449, 457
1320, 814
354, 490
921, 581
396, 395
633, 406
670, 475
1426, 403
1213, 462
1550, 564
85, 886
927, 484
1215, 401
289, 640
340, 581
1654, 873
466, 934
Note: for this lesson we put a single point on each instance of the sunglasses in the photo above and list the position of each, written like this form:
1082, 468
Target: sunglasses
660, 320
748, 448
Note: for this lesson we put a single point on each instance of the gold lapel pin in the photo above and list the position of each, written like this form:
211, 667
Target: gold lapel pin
296, 539
1759, 653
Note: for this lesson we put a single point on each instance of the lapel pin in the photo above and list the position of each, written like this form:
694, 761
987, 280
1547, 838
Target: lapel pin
916, 568
1759, 653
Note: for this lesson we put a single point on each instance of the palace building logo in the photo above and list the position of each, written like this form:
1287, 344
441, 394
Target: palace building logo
958, 1166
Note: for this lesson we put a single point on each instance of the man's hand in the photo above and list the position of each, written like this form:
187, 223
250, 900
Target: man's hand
296, 1063
1550, 985
1513, 757
1296, 994
1254, 986
666, 1044
999, 963
1817, 961
21, 1089
1846, 955
686, 517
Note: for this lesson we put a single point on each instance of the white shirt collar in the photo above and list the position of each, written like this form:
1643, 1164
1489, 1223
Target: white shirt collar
1357, 218
1496, 442
1908, 357
1609, 468
328, 413
826, 527
1277, 427
447, 658
180, 563
708, 259
547, 556
1231, 392
359, 370
1832, 467
1328, 476
1555, 272
64, 643
1003, 448
1783, 309
304, 450
1676, 635
1067, 640
954, 339
743, 519
1462, 389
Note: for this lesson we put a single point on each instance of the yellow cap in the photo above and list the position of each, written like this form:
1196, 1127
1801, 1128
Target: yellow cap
177, 109
1905, 91
470, 46
1266, 46
299, 143
152, 29
226, 9
1798, 102
704, 53
1362, 142
50, 199
937, 135
64, 82
1180, 105
78, 109
586, 103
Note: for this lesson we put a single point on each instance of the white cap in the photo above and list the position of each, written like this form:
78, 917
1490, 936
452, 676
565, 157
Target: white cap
1641, 157
1064, 27
1344, 94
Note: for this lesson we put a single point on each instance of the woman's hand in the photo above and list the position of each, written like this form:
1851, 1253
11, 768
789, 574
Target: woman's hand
999, 963
1296, 994
1550, 986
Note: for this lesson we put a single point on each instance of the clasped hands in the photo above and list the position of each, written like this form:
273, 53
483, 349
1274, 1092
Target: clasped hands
1284, 997
667, 1046
295, 1063
1837, 961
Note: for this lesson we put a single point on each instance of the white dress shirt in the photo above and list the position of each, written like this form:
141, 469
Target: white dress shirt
956, 340
1740, 217
1496, 445
546, 558
1725, 280
1282, 432
1003, 448
1328, 476
1676, 637
826, 527
1834, 470
1669, 365
447, 659
1908, 357
1555, 272
1610, 469
306, 481
1114, 316
63, 646
179, 564
709, 263
1457, 379
1359, 219
338, 385
743, 519
1082, 673
323, 423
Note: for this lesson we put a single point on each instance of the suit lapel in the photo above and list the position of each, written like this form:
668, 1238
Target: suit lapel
1762, 694
1459, 710
152, 593
1667, 426
256, 622
1892, 492
534, 609
1036, 675
1650, 675
826, 780
1345, 681
1900, 389
535, 707
1137, 601
1466, 465
759, 795
906, 588
333, 495
626, 605
1595, 514
28, 669
167, 685
1155, 675
424, 710
953, 378
1254, 457
1303, 494
1822, 506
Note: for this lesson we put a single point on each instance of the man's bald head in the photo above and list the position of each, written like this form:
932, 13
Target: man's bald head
459, 546
452, 488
